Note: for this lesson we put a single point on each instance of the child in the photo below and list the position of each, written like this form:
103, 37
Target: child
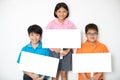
61, 13
91, 45
35, 46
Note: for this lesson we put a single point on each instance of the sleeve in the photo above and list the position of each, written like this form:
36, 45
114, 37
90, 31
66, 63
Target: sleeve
105, 49
18, 60
47, 52
54, 54
79, 50
49, 25
72, 26
19, 57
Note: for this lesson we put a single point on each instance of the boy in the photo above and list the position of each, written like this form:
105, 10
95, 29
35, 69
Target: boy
35, 46
91, 45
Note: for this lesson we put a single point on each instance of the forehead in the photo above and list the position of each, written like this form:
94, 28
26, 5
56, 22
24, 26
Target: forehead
61, 8
34, 33
91, 30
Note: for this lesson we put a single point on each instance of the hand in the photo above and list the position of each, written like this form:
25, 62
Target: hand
63, 53
96, 76
57, 50
35, 76
41, 78
87, 79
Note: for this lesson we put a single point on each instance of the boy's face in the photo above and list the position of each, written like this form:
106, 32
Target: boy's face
92, 35
34, 37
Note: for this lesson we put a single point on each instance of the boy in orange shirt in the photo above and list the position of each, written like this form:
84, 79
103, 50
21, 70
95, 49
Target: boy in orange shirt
91, 45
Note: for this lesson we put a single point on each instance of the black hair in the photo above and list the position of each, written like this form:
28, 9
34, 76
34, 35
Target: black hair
91, 26
58, 6
35, 28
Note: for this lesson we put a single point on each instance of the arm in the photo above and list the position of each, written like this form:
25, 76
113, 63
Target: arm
41, 78
32, 75
57, 50
84, 76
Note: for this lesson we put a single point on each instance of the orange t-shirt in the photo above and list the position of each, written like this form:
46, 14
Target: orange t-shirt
88, 48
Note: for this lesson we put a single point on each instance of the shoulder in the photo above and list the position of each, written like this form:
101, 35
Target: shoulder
70, 23
79, 50
85, 43
24, 48
51, 23
103, 46
40, 46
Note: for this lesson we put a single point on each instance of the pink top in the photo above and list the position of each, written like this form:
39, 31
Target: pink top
55, 24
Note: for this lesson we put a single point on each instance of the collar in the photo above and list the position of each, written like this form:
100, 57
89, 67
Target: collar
66, 21
39, 45
96, 43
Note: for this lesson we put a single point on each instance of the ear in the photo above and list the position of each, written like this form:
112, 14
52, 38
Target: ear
85, 34
55, 13
28, 35
40, 37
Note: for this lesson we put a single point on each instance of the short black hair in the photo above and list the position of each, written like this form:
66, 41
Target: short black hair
35, 28
58, 6
91, 26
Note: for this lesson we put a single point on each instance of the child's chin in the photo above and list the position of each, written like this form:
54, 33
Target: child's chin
92, 41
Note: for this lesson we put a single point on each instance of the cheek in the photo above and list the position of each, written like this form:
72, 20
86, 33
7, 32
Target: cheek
65, 13
91, 37
88, 37
38, 38
96, 37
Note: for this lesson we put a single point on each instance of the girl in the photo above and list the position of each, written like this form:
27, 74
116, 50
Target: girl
61, 13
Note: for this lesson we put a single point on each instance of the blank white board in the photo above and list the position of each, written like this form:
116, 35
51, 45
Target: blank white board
61, 38
39, 64
91, 62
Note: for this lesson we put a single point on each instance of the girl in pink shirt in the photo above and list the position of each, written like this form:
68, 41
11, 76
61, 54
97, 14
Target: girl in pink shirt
61, 13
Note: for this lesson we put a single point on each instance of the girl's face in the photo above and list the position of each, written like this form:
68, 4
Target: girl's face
92, 35
61, 13
35, 38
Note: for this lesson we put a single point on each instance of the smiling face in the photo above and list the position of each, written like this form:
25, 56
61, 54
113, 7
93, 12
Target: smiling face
92, 35
61, 13
35, 38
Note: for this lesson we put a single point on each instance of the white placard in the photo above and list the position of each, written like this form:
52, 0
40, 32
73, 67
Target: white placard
91, 62
61, 38
39, 64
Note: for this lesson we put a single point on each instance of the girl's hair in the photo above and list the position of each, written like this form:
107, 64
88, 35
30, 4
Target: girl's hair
35, 28
58, 6
91, 26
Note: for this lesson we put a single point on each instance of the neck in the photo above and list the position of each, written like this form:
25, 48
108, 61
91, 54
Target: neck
61, 20
34, 45
92, 43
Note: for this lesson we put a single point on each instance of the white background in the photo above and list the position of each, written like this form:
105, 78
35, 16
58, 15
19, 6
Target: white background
17, 15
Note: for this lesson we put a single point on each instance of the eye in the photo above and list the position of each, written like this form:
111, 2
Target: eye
65, 11
37, 35
59, 11
31, 34
89, 33
96, 33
